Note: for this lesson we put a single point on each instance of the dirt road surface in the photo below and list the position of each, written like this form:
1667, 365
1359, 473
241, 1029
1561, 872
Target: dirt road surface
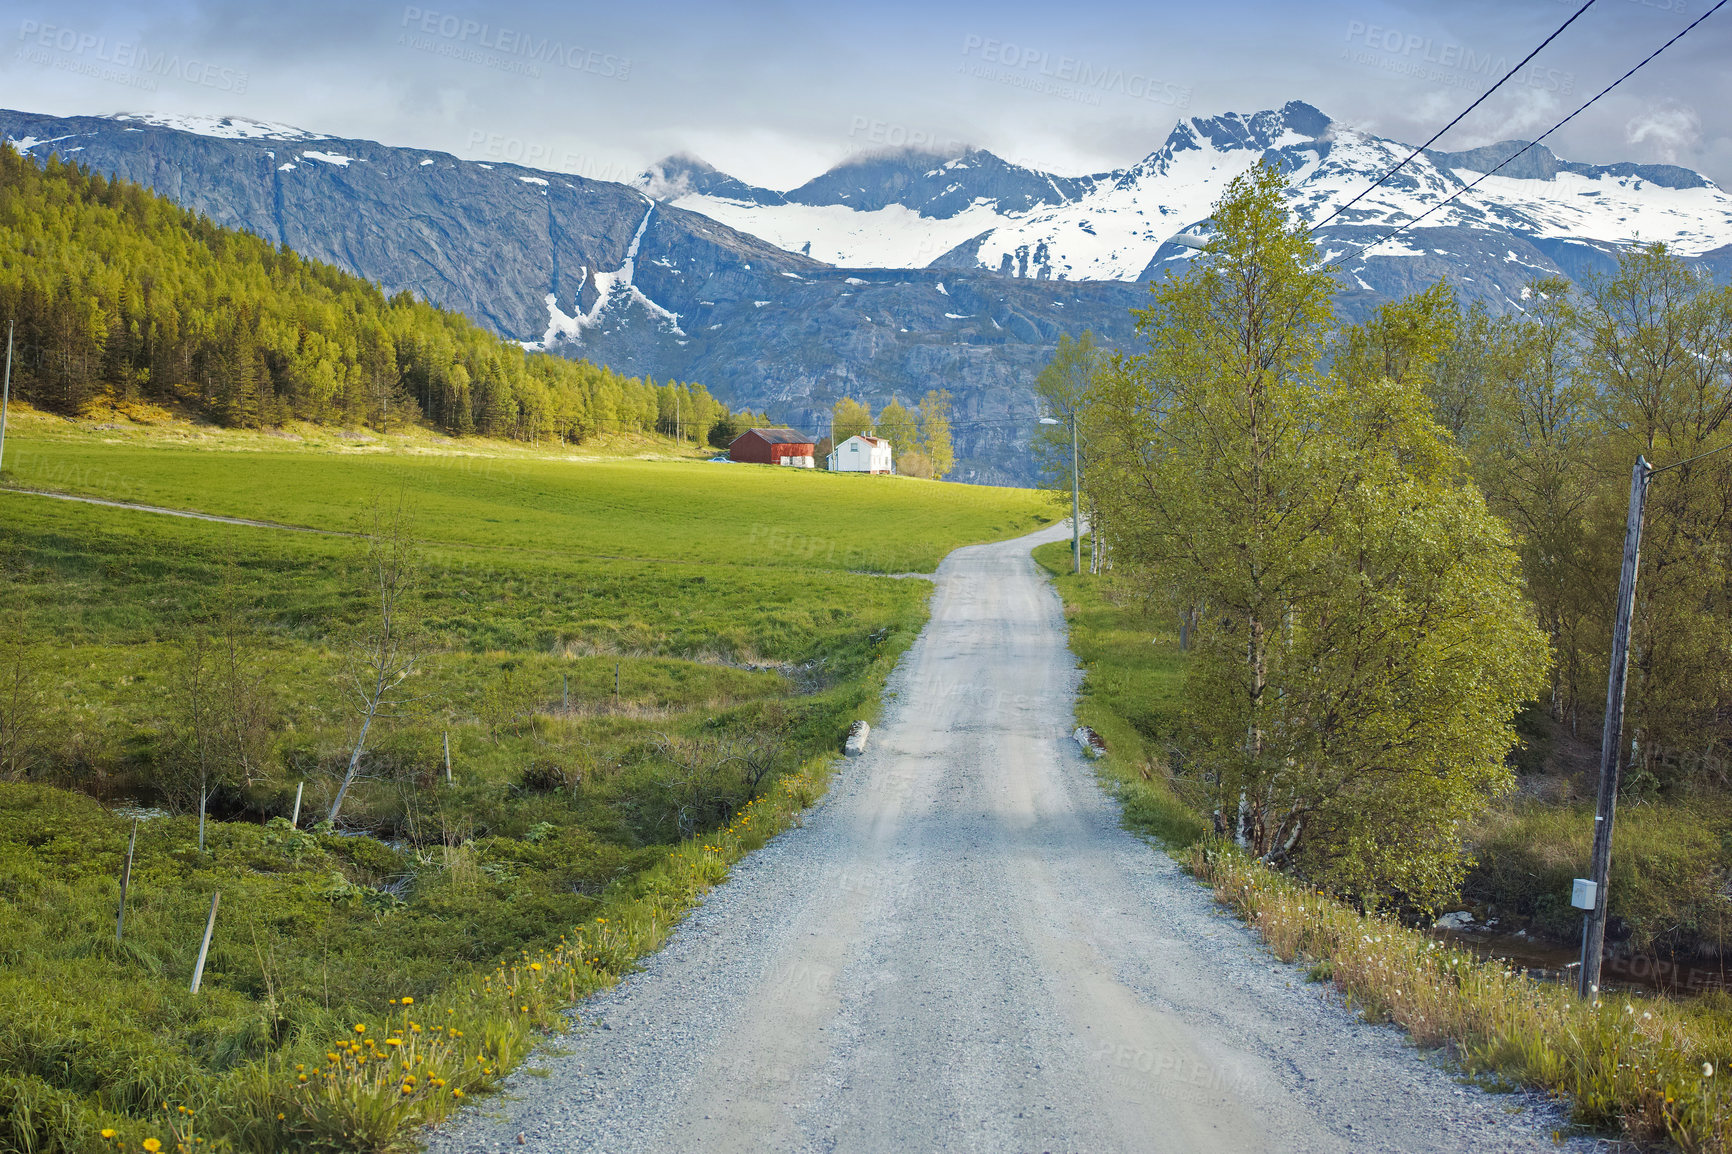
962, 950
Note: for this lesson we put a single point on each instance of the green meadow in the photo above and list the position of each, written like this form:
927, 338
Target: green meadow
642, 669
551, 505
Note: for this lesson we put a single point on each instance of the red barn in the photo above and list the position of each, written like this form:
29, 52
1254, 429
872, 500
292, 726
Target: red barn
773, 447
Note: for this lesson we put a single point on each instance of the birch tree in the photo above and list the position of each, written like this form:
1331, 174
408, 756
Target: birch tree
387, 647
223, 707
1363, 641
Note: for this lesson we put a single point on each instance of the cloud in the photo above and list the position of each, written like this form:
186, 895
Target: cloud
1668, 129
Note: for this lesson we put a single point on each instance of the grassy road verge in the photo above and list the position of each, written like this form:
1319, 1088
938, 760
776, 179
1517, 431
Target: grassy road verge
1652, 1069
1129, 695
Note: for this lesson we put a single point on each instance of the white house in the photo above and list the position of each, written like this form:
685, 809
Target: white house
862, 454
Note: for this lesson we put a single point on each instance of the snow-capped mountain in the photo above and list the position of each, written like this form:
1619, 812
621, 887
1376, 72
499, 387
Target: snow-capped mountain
892, 273
1117, 225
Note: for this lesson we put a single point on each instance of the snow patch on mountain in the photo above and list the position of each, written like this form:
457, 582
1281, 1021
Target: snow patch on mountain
1615, 209
615, 292
977, 211
889, 237
221, 127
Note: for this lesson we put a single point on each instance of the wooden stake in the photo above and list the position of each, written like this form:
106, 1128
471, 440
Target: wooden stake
565, 692
204, 946
1611, 737
296, 820
125, 881
616, 683
6, 396
447, 757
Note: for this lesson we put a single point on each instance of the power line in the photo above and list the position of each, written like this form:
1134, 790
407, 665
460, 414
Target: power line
1363, 249
1689, 460
1483, 97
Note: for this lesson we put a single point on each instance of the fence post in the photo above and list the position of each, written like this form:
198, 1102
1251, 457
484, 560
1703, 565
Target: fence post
204, 946
296, 820
125, 881
447, 757
6, 397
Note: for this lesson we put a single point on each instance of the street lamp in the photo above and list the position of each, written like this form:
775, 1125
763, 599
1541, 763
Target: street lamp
1075, 526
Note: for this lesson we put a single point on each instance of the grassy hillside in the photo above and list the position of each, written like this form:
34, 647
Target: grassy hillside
579, 823
120, 294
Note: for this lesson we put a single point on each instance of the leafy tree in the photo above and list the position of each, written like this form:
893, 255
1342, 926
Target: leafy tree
1068, 385
897, 425
387, 647
849, 418
1362, 641
1657, 358
723, 432
935, 444
223, 708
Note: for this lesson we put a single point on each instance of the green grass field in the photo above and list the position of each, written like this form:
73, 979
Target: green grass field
733, 604
552, 506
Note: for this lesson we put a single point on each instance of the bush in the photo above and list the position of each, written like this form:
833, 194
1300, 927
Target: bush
549, 775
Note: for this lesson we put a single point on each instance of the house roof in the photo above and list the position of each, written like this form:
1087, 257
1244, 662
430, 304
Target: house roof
778, 436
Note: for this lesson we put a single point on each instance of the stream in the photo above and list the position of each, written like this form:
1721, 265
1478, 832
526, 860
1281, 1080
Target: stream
1548, 962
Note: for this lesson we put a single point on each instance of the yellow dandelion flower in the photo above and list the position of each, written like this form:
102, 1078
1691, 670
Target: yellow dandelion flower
457, 1093
408, 1001
107, 1133
152, 1145
360, 1029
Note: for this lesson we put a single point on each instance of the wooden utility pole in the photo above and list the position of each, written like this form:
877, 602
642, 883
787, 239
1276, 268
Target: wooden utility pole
1611, 738
1075, 486
6, 397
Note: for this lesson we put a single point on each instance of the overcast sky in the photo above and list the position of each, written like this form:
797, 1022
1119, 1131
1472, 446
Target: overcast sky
777, 92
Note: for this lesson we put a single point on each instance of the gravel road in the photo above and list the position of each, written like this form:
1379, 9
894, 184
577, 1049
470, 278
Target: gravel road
962, 950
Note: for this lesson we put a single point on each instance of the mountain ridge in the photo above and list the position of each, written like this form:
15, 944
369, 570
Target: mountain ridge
962, 276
